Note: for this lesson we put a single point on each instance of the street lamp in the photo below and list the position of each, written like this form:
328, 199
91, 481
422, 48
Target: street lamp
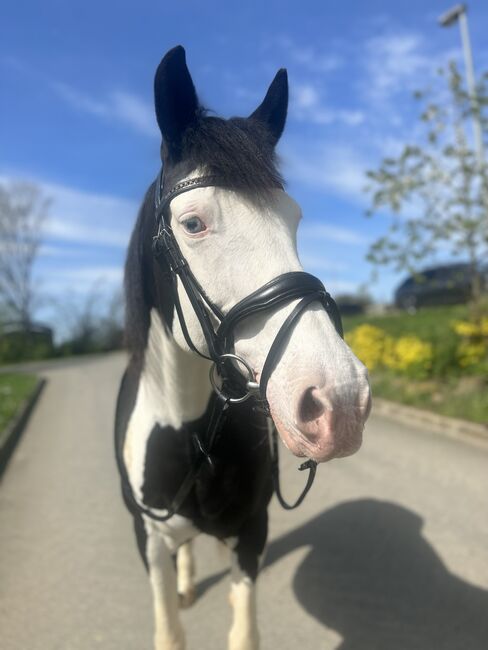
458, 13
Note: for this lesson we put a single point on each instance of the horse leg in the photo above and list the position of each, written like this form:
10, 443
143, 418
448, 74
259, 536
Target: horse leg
185, 567
169, 633
246, 556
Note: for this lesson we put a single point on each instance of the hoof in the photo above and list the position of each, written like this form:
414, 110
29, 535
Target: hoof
187, 599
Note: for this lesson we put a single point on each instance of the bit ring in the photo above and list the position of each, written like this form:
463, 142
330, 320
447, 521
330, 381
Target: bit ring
250, 382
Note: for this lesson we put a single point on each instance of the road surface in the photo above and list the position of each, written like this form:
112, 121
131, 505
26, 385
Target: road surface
388, 552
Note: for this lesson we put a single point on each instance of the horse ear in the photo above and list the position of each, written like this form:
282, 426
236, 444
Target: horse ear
272, 110
175, 100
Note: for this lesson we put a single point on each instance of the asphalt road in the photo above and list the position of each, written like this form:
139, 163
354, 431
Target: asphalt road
388, 552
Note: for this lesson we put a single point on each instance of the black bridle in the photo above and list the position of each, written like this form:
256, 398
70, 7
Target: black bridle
230, 386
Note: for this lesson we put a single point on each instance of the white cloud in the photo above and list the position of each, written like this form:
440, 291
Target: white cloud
306, 56
116, 105
82, 280
88, 217
70, 231
307, 105
305, 96
392, 60
334, 168
343, 286
57, 250
319, 263
400, 62
329, 233
135, 111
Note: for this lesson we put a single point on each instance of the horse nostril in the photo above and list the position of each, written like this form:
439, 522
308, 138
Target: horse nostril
310, 407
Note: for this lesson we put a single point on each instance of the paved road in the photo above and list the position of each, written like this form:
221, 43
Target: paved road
389, 551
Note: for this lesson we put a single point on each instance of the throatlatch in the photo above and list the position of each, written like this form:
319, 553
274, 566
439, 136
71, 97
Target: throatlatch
229, 384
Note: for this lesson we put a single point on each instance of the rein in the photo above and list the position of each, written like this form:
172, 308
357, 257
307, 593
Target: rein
233, 387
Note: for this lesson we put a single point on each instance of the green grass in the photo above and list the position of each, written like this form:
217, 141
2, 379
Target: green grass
465, 398
14, 390
428, 323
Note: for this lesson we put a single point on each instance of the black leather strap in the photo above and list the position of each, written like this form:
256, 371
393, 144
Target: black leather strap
280, 290
203, 450
276, 349
165, 244
162, 199
310, 464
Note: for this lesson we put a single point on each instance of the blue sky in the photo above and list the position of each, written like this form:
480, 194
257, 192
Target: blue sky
77, 115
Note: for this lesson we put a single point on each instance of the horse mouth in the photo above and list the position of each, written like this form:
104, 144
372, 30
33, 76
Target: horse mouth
322, 444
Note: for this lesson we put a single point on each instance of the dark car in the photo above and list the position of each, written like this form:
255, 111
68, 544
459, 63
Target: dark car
440, 285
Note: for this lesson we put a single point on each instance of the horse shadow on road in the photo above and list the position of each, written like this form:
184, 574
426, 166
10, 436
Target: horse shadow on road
372, 577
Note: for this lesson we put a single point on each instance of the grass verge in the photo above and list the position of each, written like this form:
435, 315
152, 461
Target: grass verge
465, 398
14, 390
430, 323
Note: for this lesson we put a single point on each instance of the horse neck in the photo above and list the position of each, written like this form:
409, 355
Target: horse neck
175, 381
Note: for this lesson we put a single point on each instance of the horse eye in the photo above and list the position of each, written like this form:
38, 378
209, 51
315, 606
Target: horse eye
194, 225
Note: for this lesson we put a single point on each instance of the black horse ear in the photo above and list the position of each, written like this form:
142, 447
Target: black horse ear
272, 110
175, 100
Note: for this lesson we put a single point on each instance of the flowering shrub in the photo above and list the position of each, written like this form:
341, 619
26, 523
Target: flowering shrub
471, 329
411, 355
368, 343
473, 347
375, 348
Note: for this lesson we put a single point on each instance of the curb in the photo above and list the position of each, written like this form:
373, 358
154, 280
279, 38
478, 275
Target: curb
11, 435
440, 423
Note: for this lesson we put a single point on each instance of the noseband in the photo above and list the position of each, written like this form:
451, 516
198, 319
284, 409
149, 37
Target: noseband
229, 384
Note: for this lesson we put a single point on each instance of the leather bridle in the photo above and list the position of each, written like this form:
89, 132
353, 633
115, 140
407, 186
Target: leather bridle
229, 384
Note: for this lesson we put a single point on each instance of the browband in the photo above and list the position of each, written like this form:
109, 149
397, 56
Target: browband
161, 201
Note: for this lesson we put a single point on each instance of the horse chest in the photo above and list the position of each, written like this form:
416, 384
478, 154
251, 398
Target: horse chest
159, 457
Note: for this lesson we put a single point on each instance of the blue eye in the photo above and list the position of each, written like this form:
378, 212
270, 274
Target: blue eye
194, 225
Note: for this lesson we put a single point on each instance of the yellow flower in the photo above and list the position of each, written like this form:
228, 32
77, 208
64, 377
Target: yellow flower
470, 354
409, 351
464, 328
367, 342
376, 348
470, 329
474, 346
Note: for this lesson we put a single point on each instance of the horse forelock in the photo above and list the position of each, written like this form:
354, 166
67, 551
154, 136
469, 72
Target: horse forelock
238, 151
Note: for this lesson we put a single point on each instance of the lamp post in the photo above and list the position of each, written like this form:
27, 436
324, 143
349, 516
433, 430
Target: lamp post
458, 13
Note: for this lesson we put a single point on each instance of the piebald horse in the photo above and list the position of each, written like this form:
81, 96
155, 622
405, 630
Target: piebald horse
212, 269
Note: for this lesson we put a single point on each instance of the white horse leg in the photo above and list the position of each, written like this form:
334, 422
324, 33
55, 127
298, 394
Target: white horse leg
246, 556
244, 633
169, 633
185, 566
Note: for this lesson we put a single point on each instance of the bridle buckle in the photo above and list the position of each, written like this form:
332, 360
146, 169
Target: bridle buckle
165, 242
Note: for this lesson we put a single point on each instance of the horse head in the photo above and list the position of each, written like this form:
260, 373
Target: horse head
237, 235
